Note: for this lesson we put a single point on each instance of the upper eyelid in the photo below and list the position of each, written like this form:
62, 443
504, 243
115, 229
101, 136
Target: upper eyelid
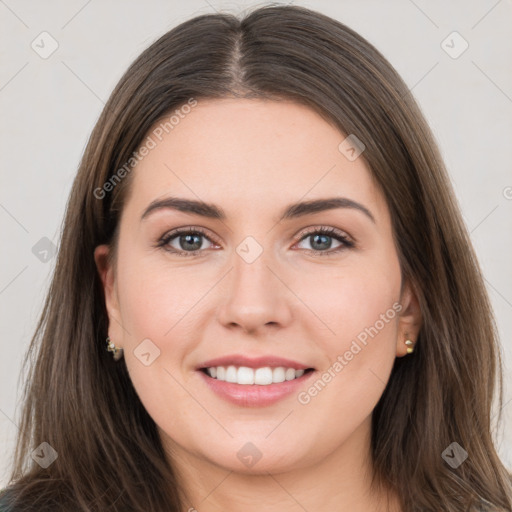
326, 229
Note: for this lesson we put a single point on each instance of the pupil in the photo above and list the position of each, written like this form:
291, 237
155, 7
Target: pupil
326, 241
189, 240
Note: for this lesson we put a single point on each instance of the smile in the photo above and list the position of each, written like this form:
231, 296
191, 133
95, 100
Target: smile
254, 381
245, 376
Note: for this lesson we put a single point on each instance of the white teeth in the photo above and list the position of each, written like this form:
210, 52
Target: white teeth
278, 374
263, 376
290, 374
248, 376
245, 375
231, 374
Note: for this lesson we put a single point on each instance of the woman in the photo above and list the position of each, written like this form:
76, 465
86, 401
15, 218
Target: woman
265, 296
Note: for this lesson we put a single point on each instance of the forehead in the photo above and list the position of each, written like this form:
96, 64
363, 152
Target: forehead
250, 152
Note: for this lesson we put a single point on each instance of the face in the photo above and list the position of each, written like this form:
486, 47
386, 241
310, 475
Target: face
250, 283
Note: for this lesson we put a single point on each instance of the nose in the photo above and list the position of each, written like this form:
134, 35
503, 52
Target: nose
256, 298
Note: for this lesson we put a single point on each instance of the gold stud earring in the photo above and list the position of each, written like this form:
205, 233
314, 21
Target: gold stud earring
410, 346
116, 351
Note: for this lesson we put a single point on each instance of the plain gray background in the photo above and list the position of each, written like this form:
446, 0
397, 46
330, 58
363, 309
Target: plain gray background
49, 106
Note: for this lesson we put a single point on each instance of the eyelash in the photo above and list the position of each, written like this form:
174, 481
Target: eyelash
324, 230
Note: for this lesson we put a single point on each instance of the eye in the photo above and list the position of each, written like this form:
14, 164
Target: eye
188, 241
321, 238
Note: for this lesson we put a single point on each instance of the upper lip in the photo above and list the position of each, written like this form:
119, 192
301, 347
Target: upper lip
253, 362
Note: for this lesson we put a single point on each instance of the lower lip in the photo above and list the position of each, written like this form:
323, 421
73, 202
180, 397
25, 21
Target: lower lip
254, 395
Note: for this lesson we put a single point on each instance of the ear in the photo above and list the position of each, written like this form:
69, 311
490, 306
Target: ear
409, 320
107, 276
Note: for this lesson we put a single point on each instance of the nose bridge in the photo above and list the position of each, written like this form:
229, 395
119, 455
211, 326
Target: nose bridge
254, 296
251, 268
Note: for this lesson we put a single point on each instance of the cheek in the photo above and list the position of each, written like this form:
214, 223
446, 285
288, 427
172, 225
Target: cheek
366, 307
154, 300
361, 307
354, 300
157, 305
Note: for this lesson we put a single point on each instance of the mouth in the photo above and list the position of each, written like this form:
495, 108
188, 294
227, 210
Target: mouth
254, 382
246, 376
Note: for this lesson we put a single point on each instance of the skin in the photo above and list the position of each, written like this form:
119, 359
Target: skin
252, 158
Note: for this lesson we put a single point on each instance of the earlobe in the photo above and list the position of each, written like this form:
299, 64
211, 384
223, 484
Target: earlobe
409, 322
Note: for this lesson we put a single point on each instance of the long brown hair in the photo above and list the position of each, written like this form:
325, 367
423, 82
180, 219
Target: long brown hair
84, 405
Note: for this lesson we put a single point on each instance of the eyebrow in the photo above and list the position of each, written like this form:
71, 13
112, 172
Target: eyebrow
292, 211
